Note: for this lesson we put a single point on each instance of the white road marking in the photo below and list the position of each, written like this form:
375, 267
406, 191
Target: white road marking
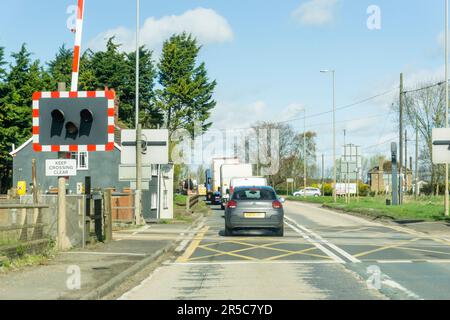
218, 263
140, 230
324, 241
107, 253
318, 245
395, 285
438, 261
336, 214
182, 246
191, 234
394, 261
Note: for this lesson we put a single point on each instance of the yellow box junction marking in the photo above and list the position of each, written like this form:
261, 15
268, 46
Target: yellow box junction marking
193, 246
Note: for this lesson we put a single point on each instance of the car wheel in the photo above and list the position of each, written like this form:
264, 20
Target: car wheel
228, 232
280, 232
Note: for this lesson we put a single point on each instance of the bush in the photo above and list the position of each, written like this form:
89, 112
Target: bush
327, 189
281, 191
363, 189
430, 189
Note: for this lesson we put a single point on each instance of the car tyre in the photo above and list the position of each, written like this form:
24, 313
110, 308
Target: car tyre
228, 232
280, 232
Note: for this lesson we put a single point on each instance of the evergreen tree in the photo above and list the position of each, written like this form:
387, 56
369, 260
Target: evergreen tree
110, 69
24, 78
2, 64
87, 80
186, 94
149, 115
60, 68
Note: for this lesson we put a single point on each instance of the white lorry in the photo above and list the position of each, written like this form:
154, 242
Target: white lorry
229, 172
217, 163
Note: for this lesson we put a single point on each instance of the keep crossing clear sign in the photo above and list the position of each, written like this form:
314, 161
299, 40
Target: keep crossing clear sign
60, 168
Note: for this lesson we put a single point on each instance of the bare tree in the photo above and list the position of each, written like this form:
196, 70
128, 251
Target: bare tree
426, 107
291, 157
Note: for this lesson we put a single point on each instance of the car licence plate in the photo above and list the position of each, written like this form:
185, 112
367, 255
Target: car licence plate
254, 215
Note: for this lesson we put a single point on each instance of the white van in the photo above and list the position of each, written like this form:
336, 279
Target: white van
248, 182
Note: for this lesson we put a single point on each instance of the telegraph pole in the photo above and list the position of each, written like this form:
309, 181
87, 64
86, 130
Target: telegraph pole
406, 160
417, 191
323, 165
304, 154
400, 162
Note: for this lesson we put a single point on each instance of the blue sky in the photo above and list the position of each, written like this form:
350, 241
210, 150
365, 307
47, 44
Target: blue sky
265, 57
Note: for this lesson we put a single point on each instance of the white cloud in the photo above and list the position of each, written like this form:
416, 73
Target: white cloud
231, 115
292, 111
238, 116
315, 12
205, 24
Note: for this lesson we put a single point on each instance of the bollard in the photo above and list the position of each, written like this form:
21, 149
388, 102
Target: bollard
108, 215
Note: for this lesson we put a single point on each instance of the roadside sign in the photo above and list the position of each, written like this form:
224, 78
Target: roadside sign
290, 180
345, 188
127, 173
80, 188
60, 168
441, 146
155, 149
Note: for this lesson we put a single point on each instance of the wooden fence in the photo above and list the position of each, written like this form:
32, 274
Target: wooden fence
22, 229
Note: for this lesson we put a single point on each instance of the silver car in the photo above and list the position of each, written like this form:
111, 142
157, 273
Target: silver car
254, 208
310, 192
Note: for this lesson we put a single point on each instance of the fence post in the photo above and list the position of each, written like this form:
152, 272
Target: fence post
62, 241
188, 203
108, 215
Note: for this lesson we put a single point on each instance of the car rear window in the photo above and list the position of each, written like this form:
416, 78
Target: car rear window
254, 194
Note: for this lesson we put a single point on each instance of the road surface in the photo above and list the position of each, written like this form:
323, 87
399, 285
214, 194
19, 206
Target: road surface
324, 255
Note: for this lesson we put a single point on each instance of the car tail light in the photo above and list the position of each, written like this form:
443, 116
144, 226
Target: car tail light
232, 204
277, 204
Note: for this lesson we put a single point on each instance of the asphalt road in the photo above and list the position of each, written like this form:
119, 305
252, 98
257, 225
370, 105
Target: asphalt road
323, 255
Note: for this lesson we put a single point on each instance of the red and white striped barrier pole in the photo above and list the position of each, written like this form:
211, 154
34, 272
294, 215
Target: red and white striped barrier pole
77, 48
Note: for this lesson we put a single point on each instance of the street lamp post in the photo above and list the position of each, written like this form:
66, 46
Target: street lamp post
334, 131
446, 105
138, 197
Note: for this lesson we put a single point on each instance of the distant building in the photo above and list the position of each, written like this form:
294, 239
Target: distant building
380, 178
103, 168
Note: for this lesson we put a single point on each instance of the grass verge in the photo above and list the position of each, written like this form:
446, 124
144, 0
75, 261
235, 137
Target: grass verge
27, 260
180, 213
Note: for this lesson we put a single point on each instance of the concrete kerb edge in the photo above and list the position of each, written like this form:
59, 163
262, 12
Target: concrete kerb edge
116, 281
